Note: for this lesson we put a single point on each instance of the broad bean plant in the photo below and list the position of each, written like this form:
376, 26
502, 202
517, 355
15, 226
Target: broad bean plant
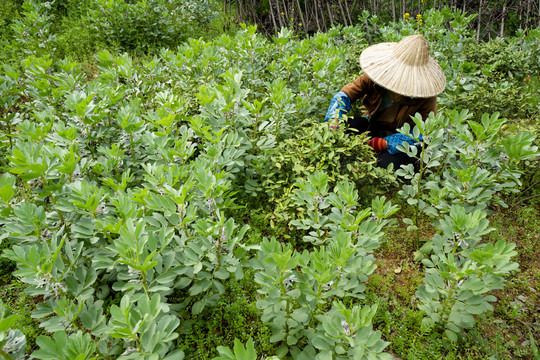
118, 186
303, 291
463, 165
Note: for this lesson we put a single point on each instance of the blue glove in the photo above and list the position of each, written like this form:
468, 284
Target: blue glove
394, 140
341, 104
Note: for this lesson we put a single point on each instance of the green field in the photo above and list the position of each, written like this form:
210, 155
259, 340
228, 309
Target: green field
176, 196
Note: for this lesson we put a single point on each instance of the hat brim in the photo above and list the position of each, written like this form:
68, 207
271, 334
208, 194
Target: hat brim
420, 81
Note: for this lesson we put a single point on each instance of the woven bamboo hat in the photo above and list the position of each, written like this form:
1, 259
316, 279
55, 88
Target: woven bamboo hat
404, 67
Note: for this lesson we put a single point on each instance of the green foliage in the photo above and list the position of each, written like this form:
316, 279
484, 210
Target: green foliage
121, 189
12, 342
9, 11
240, 352
463, 162
79, 28
463, 165
32, 33
298, 288
78, 346
495, 77
235, 316
149, 25
316, 147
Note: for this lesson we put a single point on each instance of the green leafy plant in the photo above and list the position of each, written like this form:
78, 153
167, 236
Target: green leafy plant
12, 342
240, 352
318, 148
299, 287
463, 165
136, 189
460, 273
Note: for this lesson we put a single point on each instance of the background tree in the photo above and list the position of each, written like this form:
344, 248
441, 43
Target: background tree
495, 17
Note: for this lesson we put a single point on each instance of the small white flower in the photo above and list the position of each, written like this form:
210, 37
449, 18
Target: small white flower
210, 202
133, 272
288, 282
129, 350
328, 284
100, 209
345, 326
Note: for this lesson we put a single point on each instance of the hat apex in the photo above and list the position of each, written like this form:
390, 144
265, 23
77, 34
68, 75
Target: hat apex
404, 67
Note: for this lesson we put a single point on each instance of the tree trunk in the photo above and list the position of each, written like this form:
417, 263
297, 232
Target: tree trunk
316, 13
527, 13
280, 18
479, 20
273, 16
348, 14
520, 9
323, 19
503, 18
329, 13
345, 23
303, 21
393, 11
285, 11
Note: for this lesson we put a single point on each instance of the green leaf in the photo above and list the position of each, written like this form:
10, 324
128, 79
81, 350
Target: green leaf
51, 349
291, 340
452, 336
301, 315
198, 307
321, 343
277, 337
222, 274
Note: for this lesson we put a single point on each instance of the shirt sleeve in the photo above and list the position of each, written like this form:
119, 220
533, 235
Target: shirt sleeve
357, 89
430, 105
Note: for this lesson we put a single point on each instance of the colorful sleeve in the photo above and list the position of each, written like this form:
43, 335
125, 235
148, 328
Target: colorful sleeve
394, 140
340, 105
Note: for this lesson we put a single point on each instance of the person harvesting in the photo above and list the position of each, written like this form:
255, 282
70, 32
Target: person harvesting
400, 79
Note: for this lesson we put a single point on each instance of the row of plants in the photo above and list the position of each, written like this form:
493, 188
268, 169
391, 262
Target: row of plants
121, 195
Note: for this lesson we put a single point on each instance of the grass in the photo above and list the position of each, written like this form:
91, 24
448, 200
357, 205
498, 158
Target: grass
12, 294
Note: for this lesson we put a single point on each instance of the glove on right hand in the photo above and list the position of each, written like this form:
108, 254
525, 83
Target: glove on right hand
340, 105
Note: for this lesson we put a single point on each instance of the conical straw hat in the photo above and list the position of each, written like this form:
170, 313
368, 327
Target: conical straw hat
404, 67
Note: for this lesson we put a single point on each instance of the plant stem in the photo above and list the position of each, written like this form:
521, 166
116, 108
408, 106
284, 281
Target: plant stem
418, 189
132, 147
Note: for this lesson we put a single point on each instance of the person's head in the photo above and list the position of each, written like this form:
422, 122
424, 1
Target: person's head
404, 67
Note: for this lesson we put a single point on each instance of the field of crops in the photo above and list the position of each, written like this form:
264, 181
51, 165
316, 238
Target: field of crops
192, 204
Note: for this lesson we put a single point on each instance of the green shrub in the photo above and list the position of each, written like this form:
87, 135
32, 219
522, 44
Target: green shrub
144, 26
315, 146
504, 59
9, 11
